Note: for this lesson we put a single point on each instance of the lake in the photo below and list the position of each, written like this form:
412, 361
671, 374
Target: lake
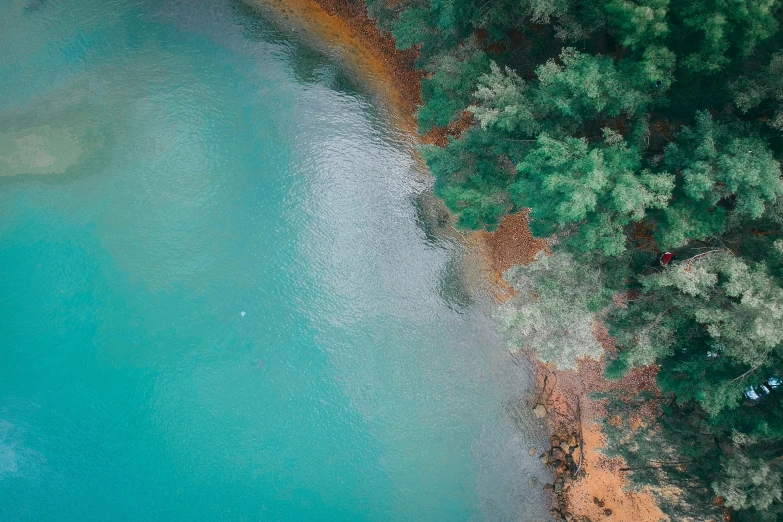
225, 292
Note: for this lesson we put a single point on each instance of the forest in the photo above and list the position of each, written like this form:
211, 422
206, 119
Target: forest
645, 137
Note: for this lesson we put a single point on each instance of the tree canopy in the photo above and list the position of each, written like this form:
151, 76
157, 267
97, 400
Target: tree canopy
631, 128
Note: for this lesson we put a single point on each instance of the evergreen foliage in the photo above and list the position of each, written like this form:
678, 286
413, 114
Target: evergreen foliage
631, 128
748, 483
559, 326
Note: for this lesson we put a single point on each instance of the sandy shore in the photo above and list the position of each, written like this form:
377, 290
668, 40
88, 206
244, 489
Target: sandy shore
349, 36
345, 32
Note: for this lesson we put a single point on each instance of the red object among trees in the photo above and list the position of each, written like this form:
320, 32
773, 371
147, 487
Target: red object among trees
666, 257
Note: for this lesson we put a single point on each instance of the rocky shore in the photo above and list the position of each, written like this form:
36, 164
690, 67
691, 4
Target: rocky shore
587, 484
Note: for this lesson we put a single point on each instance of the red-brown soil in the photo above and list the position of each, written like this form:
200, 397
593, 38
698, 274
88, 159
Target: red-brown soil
601, 493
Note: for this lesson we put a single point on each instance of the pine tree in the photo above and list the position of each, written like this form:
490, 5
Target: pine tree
554, 310
631, 128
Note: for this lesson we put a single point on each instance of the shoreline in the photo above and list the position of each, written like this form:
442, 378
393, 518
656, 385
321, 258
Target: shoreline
370, 54
373, 58
599, 491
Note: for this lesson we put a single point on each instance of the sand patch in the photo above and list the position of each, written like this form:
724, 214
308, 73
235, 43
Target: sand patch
38, 150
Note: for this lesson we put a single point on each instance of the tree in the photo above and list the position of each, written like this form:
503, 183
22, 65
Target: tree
749, 483
602, 189
554, 310
712, 322
722, 169
631, 128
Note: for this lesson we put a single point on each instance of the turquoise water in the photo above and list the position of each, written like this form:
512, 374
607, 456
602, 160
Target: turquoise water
222, 293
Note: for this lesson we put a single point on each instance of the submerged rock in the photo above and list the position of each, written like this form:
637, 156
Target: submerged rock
539, 411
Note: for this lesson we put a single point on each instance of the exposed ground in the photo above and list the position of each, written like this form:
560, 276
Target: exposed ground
512, 243
345, 26
599, 491
599, 494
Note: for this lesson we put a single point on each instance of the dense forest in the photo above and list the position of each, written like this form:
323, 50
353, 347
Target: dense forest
646, 138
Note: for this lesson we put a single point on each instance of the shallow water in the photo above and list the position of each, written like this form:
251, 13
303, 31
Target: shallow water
221, 294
